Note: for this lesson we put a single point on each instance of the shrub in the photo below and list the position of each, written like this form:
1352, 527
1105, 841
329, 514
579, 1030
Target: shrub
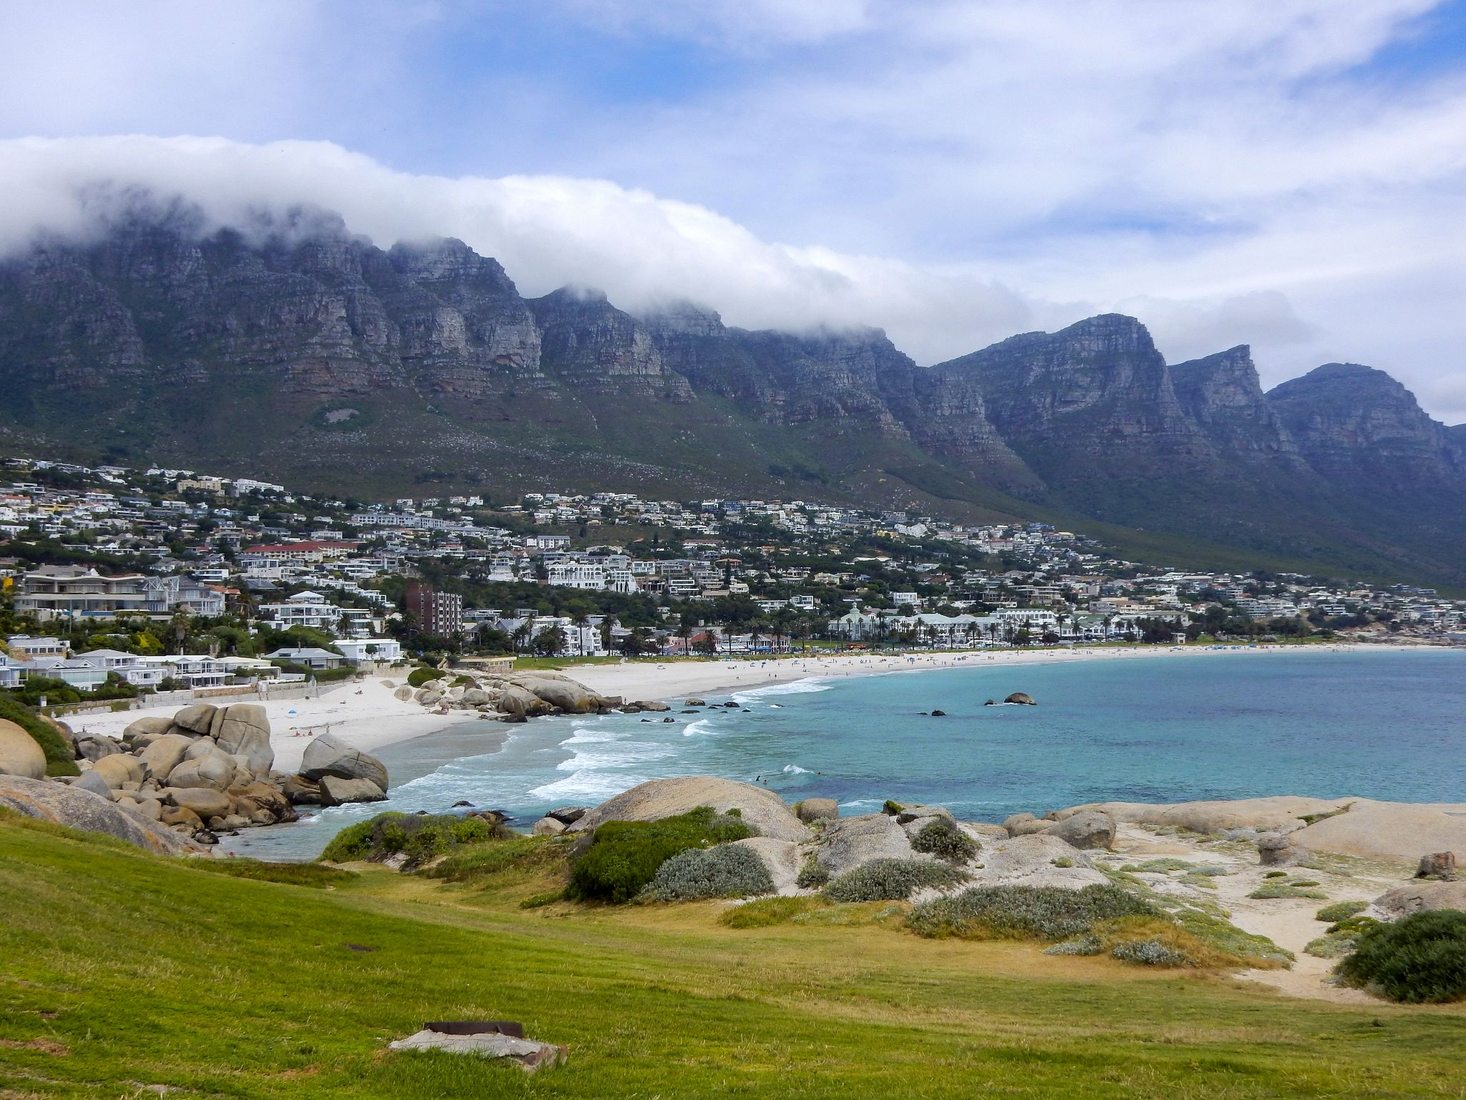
1024, 912
891, 808
1271, 890
1149, 953
1419, 960
624, 856
1086, 944
420, 676
1340, 910
812, 875
941, 838
764, 912
891, 880
58, 753
726, 871
474, 862
419, 837
1332, 946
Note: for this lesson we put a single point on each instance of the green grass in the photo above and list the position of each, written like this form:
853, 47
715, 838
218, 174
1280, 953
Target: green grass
124, 971
292, 874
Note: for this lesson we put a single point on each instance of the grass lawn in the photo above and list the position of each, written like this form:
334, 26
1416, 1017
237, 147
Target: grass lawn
123, 971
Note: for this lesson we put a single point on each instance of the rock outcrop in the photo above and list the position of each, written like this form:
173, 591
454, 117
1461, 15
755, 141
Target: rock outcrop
762, 809
78, 808
19, 753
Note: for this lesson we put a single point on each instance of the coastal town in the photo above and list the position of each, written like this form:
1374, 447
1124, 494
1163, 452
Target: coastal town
169, 579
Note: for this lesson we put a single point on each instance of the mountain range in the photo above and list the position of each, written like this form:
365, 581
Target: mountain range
305, 354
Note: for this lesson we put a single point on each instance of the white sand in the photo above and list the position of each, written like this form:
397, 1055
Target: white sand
673, 680
362, 713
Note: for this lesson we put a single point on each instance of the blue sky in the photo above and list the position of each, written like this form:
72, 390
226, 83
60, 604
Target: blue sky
1286, 173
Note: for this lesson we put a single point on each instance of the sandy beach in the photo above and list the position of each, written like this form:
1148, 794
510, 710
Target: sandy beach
674, 680
362, 713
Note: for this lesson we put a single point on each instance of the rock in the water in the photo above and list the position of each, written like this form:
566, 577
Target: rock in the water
817, 809
328, 755
548, 826
199, 718
301, 791
1021, 697
521, 702
20, 754
568, 815
939, 714
1278, 850
1417, 897
79, 808
847, 842
164, 753
119, 769
694, 703
204, 801
1441, 865
528, 1054
336, 791
567, 694
762, 809
1087, 829
245, 731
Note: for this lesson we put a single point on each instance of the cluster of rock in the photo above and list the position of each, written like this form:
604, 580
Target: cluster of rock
518, 696
209, 769
812, 835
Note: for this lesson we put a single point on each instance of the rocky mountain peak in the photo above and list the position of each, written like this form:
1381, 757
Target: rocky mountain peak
682, 318
1223, 394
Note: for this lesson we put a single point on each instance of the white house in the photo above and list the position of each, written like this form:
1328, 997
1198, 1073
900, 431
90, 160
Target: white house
370, 649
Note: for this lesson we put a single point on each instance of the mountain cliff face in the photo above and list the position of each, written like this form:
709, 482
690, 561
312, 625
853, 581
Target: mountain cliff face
308, 353
1094, 400
1355, 423
1222, 394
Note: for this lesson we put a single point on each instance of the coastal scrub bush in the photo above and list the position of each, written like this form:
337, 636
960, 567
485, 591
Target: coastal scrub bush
726, 871
891, 880
624, 856
475, 862
1149, 953
1271, 890
420, 676
942, 838
1340, 910
1420, 959
418, 837
58, 753
1087, 944
1024, 912
812, 875
891, 807
1333, 945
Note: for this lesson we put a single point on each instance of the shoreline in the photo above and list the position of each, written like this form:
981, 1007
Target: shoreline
366, 715
671, 682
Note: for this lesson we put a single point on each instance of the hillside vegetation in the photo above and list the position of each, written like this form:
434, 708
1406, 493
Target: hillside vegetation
125, 971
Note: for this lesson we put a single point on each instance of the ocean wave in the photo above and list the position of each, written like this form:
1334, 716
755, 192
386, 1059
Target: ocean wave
699, 728
795, 769
583, 736
795, 687
588, 785
632, 752
861, 803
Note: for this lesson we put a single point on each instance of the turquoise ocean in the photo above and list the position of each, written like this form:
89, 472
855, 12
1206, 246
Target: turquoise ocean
1379, 724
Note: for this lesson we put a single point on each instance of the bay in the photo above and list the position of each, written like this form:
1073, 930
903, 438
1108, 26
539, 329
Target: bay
1379, 724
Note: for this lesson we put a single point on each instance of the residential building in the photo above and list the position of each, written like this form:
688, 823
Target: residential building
435, 612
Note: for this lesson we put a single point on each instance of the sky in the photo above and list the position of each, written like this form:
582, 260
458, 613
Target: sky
1289, 174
